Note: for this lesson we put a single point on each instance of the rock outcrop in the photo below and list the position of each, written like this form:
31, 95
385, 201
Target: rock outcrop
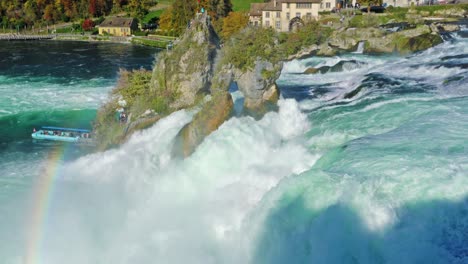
338, 67
258, 85
378, 40
211, 116
320, 50
444, 28
452, 12
188, 68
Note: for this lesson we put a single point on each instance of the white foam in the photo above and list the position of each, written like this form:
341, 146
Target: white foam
19, 94
166, 206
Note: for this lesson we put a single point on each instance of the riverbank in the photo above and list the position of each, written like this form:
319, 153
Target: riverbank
152, 41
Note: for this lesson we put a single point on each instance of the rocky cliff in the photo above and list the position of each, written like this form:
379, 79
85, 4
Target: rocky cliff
207, 120
258, 85
188, 68
213, 76
380, 40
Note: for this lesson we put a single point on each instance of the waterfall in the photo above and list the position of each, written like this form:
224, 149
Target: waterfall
360, 48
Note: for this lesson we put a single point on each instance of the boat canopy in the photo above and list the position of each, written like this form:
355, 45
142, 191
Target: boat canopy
66, 129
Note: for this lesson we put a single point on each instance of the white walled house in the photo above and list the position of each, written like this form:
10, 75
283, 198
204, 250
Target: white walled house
403, 3
285, 15
255, 14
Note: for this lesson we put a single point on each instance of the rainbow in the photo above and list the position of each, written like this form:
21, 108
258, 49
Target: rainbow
42, 198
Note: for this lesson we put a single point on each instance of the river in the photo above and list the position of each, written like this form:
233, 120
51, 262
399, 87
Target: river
364, 164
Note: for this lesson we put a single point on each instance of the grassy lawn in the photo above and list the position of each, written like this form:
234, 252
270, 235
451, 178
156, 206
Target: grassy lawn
243, 5
152, 15
165, 2
238, 5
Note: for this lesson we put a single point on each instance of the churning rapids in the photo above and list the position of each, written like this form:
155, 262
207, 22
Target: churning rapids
366, 164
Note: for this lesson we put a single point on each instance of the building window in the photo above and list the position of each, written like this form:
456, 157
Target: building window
267, 23
288, 16
278, 14
309, 15
321, 5
328, 5
304, 5
267, 14
287, 5
278, 25
256, 23
298, 14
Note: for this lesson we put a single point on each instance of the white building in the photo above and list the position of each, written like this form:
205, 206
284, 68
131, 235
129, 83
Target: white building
285, 15
403, 3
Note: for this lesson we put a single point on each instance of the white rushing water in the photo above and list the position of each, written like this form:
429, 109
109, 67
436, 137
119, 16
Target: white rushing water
197, 206
374, 176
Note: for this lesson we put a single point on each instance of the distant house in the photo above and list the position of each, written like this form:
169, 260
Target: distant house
405, 3
255, 14
118, 26
285, 15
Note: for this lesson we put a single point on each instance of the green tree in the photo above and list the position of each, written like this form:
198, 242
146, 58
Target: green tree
139, 8
182, 12
30, 14
223, 8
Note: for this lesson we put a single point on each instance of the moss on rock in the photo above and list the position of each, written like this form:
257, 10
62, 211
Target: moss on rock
405, 45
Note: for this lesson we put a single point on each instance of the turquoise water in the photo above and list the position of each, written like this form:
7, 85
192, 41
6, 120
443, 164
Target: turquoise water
364, 165
48, 83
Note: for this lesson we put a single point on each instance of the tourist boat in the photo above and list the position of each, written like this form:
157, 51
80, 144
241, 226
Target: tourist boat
72, 135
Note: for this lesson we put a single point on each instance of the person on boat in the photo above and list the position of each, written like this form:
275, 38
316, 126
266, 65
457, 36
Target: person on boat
123, 117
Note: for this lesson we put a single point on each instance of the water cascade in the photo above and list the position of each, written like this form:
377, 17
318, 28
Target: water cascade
363, 165
360, 48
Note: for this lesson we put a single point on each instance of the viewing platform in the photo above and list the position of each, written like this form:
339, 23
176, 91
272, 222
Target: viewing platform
25, 37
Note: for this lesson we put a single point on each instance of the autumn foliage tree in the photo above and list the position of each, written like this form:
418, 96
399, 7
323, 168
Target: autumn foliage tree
233, 23
165, 20
20, 13
182, 11
87, 25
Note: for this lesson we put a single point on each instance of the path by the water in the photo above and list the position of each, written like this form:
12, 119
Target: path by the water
25, 37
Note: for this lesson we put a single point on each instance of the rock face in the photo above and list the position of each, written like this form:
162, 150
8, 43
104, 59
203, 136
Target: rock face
211, 116
203, 71
258, 84
413, 40
379, 41
443, 28
349, 39
188, 68
338, 67
304, 52
326, 50
452, 12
